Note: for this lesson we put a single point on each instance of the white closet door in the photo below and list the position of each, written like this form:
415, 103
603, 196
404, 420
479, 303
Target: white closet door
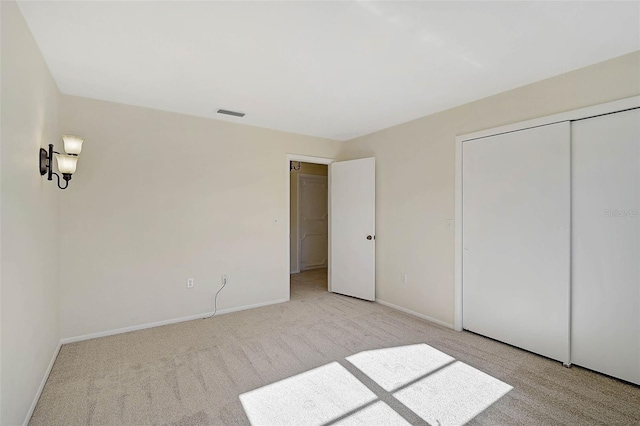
516, 238
605, 317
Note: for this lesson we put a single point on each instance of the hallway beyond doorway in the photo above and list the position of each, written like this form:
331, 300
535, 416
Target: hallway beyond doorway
312, 282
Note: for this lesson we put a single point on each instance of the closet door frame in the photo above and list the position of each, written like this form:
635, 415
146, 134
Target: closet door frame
592, 111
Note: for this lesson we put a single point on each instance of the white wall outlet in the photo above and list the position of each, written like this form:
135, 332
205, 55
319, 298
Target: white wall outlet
404, 279
190, 283
450, 223
224, 279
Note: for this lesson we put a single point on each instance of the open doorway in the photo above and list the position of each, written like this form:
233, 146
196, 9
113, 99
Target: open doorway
308, 227
351, 226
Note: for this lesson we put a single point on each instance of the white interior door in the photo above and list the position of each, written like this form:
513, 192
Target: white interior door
353, 247
313, 230
516, 238
605, 315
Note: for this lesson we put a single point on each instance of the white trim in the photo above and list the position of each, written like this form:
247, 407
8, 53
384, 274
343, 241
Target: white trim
67, 340
415, 314
329, 286
298, 222
42, 383
312, 160
578, 114
457, 223
309, 159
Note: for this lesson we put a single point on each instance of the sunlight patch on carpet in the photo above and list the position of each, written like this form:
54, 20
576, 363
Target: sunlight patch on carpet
314, 397
430, 383
453, 395
392, 368
378, 413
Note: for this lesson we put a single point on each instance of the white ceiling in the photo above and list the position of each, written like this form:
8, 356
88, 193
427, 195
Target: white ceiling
330, 69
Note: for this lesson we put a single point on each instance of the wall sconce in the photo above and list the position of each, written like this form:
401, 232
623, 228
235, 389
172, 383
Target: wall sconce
292, 167
66, 162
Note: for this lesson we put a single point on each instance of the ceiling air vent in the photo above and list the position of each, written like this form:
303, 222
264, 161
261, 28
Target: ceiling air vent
234, 113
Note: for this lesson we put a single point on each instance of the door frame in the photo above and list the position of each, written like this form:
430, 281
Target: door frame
298, 240
577, 114
313, 160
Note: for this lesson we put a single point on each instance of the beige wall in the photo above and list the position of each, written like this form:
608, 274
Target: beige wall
305, 169
415, 177
161, 197
29, 219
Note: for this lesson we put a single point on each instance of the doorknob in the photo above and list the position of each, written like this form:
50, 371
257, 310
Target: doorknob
369, 237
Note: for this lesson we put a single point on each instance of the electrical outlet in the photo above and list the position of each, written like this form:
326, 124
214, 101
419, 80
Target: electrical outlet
404, 278
450, 223
190, 283
224, 279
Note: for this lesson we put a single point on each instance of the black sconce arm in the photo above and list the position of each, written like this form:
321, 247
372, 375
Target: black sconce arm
65, 176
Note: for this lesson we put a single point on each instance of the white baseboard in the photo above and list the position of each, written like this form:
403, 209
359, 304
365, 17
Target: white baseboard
165, 322
415, 314
297, 271
41, 387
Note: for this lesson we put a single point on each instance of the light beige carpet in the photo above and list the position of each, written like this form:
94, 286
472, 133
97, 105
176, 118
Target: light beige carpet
193, 373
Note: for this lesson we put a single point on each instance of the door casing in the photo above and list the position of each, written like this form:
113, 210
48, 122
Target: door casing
313, 160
